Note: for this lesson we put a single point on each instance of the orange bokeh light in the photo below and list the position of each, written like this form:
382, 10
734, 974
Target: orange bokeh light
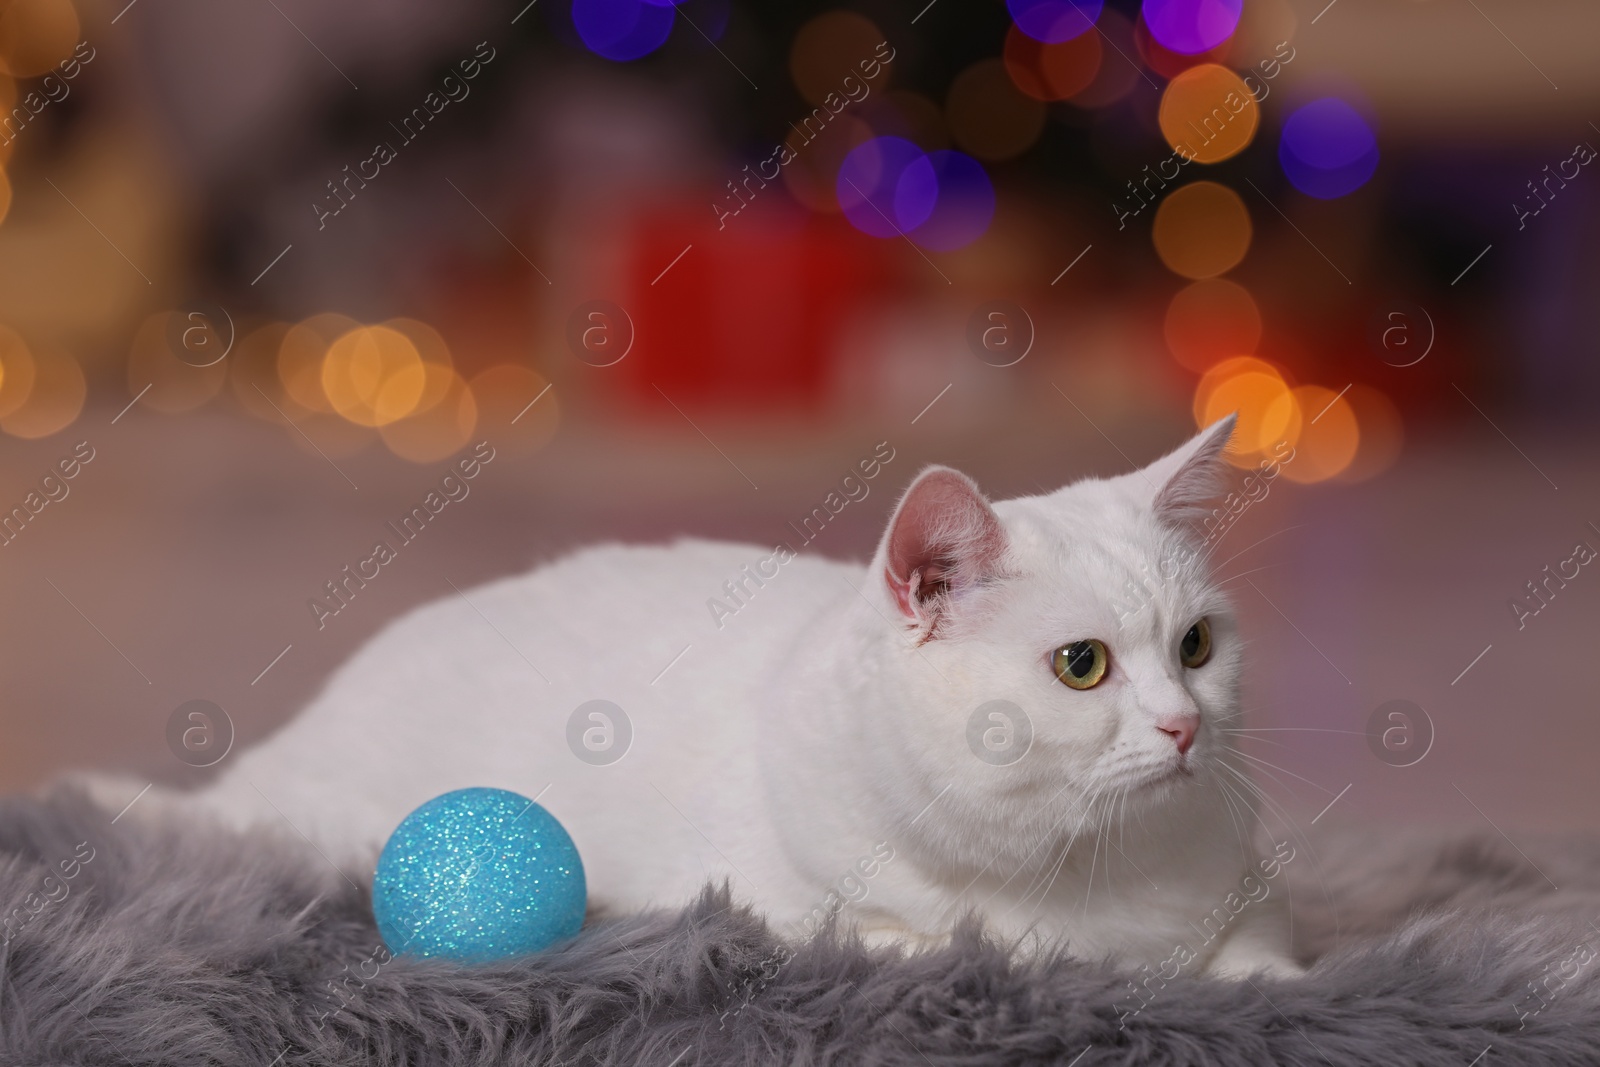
300, 358
1114, 79
988, 116
1052, 71
810, 175
1383, 434
55, 400
35, 35
832, 47
443, 427
1210, 320
16, 371
253, 374
1268, 410
1329, 438
373, 375
1208, 114
1202, 230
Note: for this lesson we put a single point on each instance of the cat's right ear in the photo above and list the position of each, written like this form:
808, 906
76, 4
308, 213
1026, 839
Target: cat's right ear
943, 541
1189, 478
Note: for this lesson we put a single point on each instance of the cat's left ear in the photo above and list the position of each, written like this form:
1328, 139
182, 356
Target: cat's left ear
943, 541
1191, 476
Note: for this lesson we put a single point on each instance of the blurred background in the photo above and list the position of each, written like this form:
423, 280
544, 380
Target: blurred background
272, 267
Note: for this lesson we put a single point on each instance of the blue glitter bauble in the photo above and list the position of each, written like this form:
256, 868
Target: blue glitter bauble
478, 875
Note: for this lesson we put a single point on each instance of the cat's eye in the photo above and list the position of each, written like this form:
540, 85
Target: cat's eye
1081, 665
1195, 648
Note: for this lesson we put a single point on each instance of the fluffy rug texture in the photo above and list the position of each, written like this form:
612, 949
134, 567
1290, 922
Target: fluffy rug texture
178, 945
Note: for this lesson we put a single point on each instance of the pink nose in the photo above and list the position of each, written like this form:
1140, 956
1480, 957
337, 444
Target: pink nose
1182, 730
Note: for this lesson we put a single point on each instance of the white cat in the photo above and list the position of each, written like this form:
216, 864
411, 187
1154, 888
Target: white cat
836, 744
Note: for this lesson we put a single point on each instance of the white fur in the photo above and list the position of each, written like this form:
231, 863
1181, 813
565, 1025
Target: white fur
819, 722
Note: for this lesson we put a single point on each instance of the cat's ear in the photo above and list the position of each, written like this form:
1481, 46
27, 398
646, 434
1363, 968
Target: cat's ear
943, 540
1191, 476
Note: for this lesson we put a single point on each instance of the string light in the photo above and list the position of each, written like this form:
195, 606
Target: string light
1202, 230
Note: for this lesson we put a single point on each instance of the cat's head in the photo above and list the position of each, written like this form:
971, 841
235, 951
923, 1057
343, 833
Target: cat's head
1061, 648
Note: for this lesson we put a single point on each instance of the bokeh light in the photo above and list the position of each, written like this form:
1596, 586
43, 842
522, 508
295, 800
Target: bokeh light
830, 48
1054, 21
1190, 26
443, 427
868, 185
958, 195
1117, 77
300, 358
1201, 230
622, 30
987, 114
1169, 64
1328, 439
909, 115
1327, 150
1208, 113
1383, 434
1052, 71
811, 176
8, 100
16, 371
1210, 320
55, 400
1267, 408
373, 375
253, 374
35, 35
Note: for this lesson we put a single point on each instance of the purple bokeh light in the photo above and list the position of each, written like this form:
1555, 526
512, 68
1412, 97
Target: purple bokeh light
1327, 149
888, 187
868, 185
1190, 27
622, 30
953, 196
1054, 21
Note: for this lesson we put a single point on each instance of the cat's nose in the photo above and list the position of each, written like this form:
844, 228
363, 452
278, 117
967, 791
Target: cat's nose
1181, 728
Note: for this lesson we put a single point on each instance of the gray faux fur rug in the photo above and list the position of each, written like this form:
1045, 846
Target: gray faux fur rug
186, 946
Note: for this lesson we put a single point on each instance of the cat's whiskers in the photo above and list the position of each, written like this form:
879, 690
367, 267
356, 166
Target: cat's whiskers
1214, 548
1048, 837
1300, 838
1287, 822
1056, 868
1093, 859
1287, 729
1238, 828
1285, 770
1245, 574
1043, 884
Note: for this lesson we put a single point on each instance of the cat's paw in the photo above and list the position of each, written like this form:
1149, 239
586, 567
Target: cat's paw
1245, 962
908, 941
